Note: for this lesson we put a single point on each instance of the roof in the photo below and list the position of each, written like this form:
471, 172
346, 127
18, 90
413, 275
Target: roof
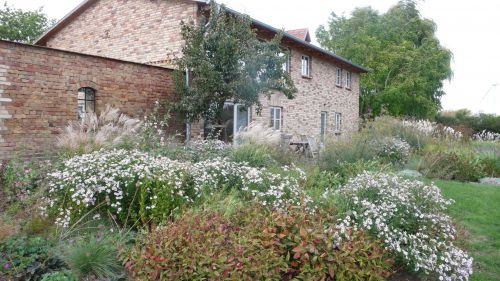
295, 36
306, 45
302, 33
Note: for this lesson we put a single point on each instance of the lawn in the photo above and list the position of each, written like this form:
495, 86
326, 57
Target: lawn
477, 212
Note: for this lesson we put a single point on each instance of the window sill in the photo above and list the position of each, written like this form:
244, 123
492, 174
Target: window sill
306, 77
338, 86
337, 133
349, 89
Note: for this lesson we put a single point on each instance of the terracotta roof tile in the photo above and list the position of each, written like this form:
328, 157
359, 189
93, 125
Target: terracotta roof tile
302, 33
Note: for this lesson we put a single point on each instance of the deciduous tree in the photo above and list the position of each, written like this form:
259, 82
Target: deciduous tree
408, 62
22, 26
226, 60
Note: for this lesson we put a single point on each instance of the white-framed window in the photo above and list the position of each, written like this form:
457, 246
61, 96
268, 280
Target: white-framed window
323, 124
306, 66
338, 78
276, 118
348, 78
338, 122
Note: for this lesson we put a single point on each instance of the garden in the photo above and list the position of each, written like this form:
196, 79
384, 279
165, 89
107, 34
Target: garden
121, 201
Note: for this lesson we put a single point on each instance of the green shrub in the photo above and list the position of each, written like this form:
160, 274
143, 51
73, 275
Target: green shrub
452, 165
59, 276
491, 166
93, 258
28, 258
250, 245
255, 155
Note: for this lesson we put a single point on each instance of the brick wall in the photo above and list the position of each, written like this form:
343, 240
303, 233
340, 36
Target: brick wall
133, 30
302, 115
38, 92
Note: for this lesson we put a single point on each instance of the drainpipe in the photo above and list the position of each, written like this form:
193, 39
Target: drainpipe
188, 125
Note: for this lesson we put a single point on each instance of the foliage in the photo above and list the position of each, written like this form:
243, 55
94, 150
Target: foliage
410, 218
251, 245
59, 276
407, 60
433, 129
133, 185
22, 26
412, 132
306, 243
395, 151
253, 155
155, 127
455, 165
19, 184
207, 246
464, 118
8, 228
194, 151
108, 129
28, 258
94, 258
227, 61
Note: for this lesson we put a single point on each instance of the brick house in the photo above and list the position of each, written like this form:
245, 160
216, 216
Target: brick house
122, 52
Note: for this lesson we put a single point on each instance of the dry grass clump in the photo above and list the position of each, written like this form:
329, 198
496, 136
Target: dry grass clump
258, 133
108, 129
7, 228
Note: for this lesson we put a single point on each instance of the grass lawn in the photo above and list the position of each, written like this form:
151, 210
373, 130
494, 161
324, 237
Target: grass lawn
477, 212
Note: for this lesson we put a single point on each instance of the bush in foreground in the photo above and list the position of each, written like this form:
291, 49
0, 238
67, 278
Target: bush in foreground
409, 217
251, 245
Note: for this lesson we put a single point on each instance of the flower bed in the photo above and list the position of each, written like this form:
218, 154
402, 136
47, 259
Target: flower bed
133, 185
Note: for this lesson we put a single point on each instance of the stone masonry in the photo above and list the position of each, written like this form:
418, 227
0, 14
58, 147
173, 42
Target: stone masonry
38, 92
148, 31
144, 31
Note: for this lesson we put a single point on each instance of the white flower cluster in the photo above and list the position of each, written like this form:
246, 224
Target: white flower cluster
112, 178
487, 136
432, 129
270, 189
210, 145
409, 217
395, 149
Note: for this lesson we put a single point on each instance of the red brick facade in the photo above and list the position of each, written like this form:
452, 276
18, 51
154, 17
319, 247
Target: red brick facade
38, 92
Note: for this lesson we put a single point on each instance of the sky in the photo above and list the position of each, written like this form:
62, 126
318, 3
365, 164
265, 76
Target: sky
470, 29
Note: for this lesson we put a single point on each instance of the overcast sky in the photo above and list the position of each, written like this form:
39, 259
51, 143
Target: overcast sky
469, 28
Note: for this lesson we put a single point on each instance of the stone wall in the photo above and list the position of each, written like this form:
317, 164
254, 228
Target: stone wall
38, 92
134, 30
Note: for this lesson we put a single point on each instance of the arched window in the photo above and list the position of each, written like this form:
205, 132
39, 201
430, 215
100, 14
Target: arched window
86, 101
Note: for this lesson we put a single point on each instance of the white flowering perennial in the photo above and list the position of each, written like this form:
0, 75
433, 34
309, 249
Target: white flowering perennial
408, 216
136, 185
396, 150
432, 129
487, 136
